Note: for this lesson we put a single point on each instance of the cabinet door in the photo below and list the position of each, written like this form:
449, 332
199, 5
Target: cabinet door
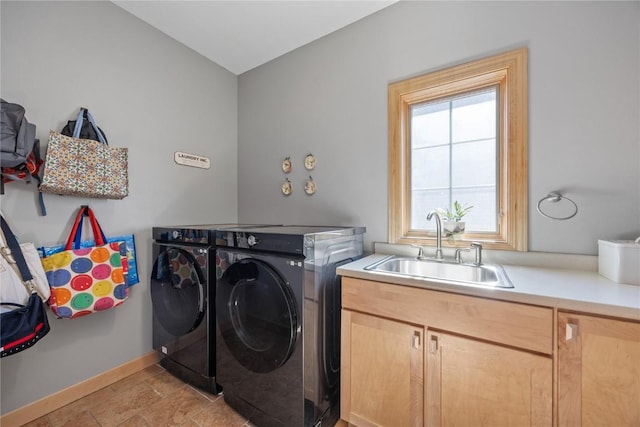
471, 382
382, 368
598, 371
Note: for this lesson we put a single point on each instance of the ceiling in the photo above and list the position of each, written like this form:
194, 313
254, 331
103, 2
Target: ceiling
241, 35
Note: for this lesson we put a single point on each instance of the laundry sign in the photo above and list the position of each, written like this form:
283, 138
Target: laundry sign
193, 160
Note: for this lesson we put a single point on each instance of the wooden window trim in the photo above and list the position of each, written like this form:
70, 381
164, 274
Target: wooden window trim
508, 71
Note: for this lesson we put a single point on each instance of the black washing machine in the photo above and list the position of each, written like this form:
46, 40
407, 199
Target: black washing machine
182, 295
278, 329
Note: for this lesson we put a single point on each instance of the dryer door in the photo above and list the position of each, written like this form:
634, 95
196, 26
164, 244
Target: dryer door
256, 314
177, 289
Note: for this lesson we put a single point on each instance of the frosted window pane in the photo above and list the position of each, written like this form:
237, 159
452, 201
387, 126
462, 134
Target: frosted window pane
474, 117
430, 125
483, 216
430, 168
423, 202
474, 163
454, 157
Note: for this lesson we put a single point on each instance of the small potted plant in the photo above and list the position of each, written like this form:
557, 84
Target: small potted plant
452, 223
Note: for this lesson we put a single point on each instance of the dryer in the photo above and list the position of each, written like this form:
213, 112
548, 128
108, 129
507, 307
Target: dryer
182, 296
278, 321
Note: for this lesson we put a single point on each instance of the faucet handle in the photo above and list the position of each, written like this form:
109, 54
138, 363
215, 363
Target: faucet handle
478, 247
420, 250
459, 255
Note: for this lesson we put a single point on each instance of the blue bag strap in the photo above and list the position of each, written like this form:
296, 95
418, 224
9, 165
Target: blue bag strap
95, 127
43, 208
77, 238
80, 120
78, 126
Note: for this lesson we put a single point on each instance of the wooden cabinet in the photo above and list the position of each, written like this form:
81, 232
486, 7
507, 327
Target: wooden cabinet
470, 382
598, 371
383, 375
486, 362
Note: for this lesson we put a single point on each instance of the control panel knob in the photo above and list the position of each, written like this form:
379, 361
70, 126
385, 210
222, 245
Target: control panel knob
251, 240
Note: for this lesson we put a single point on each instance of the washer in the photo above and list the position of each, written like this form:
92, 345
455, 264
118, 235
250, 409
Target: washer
183, 313
278, 321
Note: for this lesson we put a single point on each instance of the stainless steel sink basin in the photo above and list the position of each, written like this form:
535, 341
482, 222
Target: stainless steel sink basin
470, 274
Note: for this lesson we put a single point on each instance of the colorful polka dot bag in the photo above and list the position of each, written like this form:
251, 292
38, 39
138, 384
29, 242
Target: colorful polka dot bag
87, 280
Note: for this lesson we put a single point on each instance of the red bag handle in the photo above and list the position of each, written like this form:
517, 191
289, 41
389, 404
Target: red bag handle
76, 230
98, 234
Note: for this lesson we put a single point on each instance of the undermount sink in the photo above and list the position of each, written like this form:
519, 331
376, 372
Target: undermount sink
442, 271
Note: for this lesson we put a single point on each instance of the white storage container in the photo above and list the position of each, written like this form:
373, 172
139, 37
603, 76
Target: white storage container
619, 260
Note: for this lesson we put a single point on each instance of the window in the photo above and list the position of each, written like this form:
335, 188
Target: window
453, 157
461, 134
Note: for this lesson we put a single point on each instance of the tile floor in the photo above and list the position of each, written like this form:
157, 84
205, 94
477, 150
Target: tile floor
149, 398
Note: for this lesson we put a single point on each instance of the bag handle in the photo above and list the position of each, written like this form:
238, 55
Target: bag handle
85, 114
77, 238
73, 242
98, 234
13, 304
74, 229
13, 254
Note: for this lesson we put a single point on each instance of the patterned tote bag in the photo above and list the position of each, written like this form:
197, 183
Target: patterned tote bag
84, 167
84, 280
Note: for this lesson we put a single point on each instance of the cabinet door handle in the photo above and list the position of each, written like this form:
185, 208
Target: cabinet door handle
433, 344
571, 331
415, 340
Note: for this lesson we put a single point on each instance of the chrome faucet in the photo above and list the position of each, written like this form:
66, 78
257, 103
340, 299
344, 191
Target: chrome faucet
478, 247
438, 233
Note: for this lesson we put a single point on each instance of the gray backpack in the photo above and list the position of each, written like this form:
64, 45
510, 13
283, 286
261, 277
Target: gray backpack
20, 156
18, 135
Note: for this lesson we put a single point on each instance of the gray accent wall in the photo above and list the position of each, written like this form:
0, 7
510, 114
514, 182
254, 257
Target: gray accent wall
329, 98
149, 93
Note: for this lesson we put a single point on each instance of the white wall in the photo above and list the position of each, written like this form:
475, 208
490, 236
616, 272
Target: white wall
330, 98
150, 94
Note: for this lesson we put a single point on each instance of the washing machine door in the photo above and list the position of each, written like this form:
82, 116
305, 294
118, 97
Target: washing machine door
257, 315
177, 290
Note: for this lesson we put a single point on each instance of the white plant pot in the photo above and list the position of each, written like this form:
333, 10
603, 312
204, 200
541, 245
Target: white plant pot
453, 228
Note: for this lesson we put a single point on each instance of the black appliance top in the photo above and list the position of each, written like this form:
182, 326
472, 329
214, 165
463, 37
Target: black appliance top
203, 234
289, 239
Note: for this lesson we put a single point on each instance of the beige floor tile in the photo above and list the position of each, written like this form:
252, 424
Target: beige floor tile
164, 383
149, 398
135, 421
175, 409
218, 414
40, 422
190, 423
60, 416
125, 405
84, 419
212, 397
136, 378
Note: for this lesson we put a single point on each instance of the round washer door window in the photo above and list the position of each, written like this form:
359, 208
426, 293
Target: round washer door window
257, 315
177, 291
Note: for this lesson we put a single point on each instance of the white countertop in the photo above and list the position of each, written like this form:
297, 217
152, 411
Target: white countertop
578, 290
